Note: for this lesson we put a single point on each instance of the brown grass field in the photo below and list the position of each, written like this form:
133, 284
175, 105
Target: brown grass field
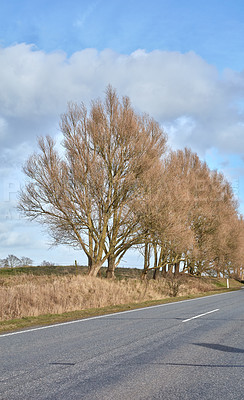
32, 292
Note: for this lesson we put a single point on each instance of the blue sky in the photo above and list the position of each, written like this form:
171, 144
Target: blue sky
213, 29
179, 60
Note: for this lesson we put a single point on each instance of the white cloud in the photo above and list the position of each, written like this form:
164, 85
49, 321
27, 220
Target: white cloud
14, 239
184, 125
171, 86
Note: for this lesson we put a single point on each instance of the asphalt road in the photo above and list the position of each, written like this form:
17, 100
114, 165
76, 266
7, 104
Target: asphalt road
188, 350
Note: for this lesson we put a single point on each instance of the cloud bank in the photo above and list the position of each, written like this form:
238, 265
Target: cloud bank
196, 105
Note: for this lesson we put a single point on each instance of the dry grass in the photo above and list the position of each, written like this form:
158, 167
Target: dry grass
194, 285
29, 295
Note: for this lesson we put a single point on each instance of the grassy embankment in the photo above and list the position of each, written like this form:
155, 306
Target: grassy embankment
34, 296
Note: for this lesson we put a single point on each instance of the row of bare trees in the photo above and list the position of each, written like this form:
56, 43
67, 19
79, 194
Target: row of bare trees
116, 187
12, 261
192, 220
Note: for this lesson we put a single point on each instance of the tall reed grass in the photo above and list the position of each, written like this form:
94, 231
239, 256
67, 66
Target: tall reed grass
29, 295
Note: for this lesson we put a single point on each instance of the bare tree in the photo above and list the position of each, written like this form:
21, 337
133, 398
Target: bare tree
163, 215
26, 261
85, 198
11, 261
47, 263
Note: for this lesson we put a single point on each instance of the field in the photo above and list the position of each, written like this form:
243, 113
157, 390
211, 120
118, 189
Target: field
32, 292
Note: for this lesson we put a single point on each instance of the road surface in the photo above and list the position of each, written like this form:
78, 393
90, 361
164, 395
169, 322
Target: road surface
190, 350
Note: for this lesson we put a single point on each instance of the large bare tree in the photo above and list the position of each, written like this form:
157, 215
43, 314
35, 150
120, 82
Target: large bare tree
85, 197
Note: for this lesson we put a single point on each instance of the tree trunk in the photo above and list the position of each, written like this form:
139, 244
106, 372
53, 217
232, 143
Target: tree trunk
89, 264
95, 268
185, 266
144, 275
170, 268
146, 260
156, 270
156, 274
164, 272
177, 268
111, 267
191, 269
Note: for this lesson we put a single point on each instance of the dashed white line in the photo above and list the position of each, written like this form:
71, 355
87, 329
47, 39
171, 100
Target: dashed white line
200, 315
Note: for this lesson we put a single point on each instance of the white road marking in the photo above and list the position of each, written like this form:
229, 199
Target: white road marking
200, 315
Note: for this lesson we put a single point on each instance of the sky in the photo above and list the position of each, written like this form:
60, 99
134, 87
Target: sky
181, 61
